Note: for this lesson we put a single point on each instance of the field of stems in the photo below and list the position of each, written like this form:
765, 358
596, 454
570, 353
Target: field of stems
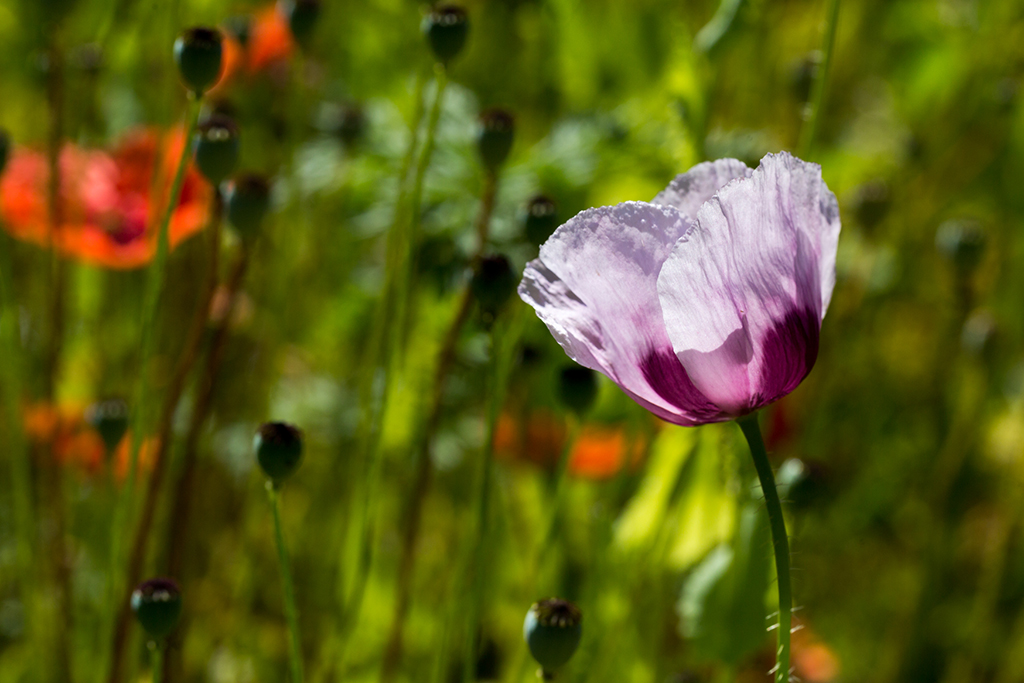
290, 389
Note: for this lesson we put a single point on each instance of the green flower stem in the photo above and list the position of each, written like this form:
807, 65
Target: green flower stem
424, 437
290, 612
810, 127
558, 499
780, 542
384, 354
157, 662
503, 342
125, 503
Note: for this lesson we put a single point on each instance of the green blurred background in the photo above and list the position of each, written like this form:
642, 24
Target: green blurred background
900, 455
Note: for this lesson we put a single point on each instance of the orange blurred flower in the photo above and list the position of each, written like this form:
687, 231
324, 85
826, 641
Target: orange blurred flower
599, 451
267, 45
110, 202
76, 444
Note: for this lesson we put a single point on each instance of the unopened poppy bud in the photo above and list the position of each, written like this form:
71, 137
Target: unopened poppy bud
198, 53
110, 419
278, 450
446, 28
5, 149
157, 605
577, 388
301, 16
541, 220
962, 242
248, 201
493, 283
497, 129
552, 630
217, 148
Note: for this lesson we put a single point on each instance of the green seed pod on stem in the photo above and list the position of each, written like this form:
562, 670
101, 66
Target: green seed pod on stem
198, 53
552, 630
541, 220
110, 419
446, 29
493, 283
157, 606
302, 16
248, 201
278, 450
217, 148
494, 141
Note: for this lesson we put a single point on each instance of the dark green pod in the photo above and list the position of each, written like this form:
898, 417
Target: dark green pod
278, 450
157, 605
248, 202
217, 148
302, 16
552, 630
541, 220
493, 283
110, 419
494, 141
5, 149
198, 52
446, 29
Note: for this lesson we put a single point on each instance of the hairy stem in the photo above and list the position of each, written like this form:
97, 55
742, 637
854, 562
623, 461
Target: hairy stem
780, 542
290, 611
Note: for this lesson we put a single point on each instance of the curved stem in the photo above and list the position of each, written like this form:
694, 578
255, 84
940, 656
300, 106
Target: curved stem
780, 542
290, 612
810, 128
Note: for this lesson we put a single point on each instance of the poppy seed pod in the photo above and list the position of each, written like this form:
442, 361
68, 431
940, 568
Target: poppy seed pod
5, 149
301, 16
157, 605
577, 388
552, 631
541, 220
962, 242
248, 201
278, 450
198, 53
446, 28
493, 283
497, 130
217, 148
110, 419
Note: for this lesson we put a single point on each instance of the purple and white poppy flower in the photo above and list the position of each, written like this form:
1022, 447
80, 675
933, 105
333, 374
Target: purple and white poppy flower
704, 304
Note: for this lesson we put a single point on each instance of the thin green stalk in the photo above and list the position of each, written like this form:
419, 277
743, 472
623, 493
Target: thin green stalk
290, 612
503, 340
810, 127
558, 499
125, 503
158, 660
380, 367
780, 542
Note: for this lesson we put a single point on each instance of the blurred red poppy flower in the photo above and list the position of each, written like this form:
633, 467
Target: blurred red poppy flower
813, 661
599, 452
110, 202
